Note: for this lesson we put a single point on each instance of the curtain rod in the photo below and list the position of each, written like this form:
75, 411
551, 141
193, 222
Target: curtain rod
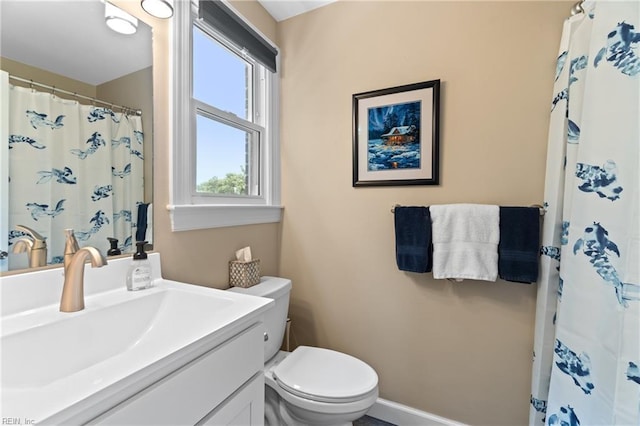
577, 8
53, 89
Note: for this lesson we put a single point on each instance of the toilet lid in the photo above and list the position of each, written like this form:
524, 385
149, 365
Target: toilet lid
325, 375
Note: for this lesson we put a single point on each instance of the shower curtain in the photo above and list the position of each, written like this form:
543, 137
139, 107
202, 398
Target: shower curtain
73, 166
586, 360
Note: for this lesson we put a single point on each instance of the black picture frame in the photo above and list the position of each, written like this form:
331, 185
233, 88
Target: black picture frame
396, 135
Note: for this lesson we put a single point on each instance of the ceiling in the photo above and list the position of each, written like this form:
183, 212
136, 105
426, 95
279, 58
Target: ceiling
284, 9
71, 38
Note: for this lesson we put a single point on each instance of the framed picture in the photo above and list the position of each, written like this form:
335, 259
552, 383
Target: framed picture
396, 135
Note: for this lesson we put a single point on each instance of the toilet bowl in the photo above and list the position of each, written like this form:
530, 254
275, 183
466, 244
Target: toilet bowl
309, 386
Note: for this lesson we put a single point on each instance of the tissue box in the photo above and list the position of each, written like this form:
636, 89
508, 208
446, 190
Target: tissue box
244, 274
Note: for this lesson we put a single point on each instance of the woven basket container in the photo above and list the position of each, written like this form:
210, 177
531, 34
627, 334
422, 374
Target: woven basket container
244, 274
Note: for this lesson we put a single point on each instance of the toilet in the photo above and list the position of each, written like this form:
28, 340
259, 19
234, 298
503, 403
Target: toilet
309, 386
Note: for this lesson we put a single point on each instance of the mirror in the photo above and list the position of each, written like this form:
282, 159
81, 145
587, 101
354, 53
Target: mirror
67, 47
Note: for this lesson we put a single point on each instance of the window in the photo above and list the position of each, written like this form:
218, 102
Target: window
228, 121
225, 150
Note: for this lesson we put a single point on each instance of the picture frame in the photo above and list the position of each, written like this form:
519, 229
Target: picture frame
396, 135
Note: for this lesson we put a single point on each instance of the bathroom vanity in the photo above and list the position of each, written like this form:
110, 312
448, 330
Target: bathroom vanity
172, 354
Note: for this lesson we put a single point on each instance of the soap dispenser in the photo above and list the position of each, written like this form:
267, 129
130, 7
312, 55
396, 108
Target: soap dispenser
139, 273
113, 249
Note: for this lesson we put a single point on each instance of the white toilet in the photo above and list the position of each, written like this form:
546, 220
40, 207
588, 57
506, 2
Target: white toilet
309, 386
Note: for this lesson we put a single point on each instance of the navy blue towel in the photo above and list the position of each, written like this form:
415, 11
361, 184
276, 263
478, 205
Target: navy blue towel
519, 244
413, 239
141, 223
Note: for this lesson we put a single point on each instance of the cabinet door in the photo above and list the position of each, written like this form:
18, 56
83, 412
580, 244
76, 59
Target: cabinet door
245, 407
189, 393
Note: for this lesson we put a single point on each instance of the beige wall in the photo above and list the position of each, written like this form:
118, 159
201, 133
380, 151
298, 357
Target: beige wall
18, 69
460, 350
258, 16
199, 257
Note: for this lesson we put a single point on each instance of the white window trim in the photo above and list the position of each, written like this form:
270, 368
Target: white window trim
189, 211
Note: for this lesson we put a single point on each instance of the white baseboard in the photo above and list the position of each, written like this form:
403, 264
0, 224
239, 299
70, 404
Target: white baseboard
403, 415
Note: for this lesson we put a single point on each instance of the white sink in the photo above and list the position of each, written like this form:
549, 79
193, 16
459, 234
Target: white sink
112, 323
55, 365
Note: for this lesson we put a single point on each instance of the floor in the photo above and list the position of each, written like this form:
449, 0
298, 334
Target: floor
371, 421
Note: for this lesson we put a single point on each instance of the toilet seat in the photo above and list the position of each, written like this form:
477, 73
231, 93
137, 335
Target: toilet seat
324, 375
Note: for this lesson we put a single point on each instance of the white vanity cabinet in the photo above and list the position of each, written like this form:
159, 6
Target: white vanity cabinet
175, 353
224, 386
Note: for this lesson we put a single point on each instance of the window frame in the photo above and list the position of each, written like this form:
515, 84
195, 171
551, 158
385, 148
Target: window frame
192, 210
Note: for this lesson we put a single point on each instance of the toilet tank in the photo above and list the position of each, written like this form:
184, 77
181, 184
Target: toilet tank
275, 318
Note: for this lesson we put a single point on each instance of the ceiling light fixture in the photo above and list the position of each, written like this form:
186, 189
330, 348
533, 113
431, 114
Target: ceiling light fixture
159, 8
119, 20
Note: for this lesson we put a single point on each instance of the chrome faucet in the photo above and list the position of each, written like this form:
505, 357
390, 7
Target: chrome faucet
73, 290
35, 246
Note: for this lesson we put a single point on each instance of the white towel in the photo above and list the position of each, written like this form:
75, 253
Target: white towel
465, 241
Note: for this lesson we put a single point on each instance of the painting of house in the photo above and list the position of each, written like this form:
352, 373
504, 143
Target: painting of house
394, 136
399, 135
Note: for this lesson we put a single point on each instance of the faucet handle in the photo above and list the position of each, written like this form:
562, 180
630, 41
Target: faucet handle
39, 241
71, 243
71, 247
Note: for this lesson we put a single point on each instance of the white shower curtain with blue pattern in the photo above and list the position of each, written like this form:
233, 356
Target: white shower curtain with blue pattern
73, 166
586, 356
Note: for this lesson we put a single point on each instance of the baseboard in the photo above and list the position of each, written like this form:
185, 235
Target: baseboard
403, 415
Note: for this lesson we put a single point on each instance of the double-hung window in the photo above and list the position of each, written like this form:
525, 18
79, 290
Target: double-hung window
225, 150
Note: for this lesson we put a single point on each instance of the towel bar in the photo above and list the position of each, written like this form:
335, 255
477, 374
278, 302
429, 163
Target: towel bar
539, 206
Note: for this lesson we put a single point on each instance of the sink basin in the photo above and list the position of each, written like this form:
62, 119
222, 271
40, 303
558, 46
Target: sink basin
66, 368
110, 325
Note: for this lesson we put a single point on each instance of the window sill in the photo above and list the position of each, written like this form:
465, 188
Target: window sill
190, 217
